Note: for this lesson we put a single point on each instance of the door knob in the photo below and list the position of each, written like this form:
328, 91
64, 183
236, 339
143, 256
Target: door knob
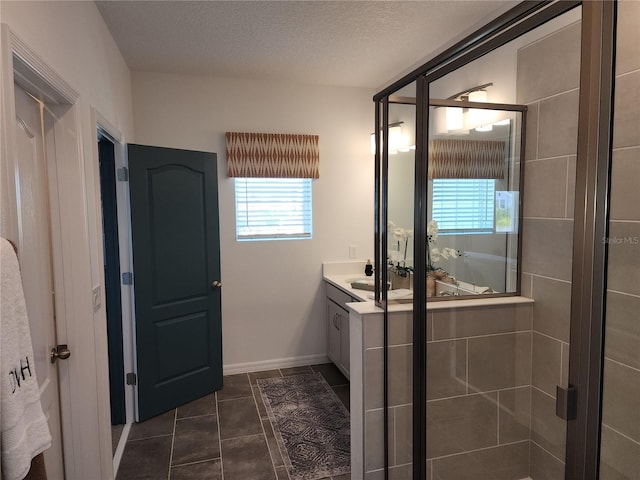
216, 284
61, 352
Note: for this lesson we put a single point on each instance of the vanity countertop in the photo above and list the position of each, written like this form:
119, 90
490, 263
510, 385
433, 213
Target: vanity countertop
340, 274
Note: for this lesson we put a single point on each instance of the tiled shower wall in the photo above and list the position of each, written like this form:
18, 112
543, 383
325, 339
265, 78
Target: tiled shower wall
620, 458
548, 79
478, 393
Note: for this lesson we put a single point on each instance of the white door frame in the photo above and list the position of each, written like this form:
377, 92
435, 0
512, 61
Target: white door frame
103, 126
82, 379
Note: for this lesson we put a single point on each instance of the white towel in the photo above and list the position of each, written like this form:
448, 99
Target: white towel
23, 426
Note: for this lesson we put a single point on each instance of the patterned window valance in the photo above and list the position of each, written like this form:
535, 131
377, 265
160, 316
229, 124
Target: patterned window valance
454, 158
272, 155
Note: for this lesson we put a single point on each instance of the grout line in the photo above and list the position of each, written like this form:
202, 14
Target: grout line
478, 450
566, 190
237, 398
609, 359
548, 278
548, 218
627, 437
173, 441
149, 438
498, 417
623, 293
543, 392
219, 438
264, 433
466, 372
631, 147
618, 75
547, 451
559, 94
485, 335
195, 462
555, 157
536, 332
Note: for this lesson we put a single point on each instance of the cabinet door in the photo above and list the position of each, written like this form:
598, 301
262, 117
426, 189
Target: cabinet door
333, 334
344, 339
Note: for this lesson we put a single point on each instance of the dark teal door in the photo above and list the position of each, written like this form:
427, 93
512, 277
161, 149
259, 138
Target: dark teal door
176, 267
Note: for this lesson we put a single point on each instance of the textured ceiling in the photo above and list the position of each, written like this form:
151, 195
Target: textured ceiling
345, 43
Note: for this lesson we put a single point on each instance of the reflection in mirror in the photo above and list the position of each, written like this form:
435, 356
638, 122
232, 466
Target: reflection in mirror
474, 201
400, 204
474, 184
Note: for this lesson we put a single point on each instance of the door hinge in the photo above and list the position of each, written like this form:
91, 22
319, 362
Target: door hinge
566, 402
132, 378
127, 278
123, 174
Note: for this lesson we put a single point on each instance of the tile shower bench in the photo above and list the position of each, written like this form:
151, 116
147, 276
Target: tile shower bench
478, 394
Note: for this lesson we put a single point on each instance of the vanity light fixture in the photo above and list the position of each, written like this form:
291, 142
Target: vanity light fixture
395, 140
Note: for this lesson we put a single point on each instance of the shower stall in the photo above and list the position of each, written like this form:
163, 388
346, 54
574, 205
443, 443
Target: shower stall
508, 345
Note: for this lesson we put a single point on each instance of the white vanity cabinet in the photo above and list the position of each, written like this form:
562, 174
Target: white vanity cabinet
338, 327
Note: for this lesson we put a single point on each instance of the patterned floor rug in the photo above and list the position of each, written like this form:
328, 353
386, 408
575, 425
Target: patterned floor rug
311, 425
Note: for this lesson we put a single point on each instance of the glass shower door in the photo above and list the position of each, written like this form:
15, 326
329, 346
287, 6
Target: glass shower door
620, 434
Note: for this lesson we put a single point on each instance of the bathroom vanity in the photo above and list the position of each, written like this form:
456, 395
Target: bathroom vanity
462, 375
338, 278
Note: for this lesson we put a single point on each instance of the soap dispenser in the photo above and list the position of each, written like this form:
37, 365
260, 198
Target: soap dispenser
368, 269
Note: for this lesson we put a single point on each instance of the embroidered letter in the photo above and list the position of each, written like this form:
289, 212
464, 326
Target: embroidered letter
23, 368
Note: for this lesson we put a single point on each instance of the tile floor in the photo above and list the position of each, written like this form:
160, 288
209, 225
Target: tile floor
224, 436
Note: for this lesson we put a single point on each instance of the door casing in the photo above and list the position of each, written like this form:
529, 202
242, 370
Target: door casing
85, 420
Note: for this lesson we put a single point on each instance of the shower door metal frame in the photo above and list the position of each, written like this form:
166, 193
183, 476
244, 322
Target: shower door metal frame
590, 223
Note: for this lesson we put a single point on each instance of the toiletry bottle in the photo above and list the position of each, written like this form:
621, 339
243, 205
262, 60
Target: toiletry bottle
368, 269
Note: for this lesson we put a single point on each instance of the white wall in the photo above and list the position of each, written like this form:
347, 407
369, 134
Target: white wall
272, 295
71, 38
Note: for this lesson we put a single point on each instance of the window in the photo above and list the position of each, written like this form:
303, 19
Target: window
273, 208
463, 205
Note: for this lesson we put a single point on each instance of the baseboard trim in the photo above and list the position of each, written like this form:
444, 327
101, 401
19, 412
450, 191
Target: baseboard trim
117, 456
274, 364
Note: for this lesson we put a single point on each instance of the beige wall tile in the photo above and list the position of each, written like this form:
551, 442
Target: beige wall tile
403, 434
619, 457
545, 466
446, 368
499, 361
376, 475
625, 178
400, 374
538, 72
545, 188
400, 330
558, 125
624, 257
374, 440
531, 135
460, 424
571, 187
621, 398
547, 247
552, 307
470, 322
622, 342
564, 378
525, 285
403, 472
546, 365
514, 415
626, 116
628, 36
373, 378
506, 462
547, 430
372, 333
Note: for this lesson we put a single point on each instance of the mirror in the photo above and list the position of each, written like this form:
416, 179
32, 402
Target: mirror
473, 195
